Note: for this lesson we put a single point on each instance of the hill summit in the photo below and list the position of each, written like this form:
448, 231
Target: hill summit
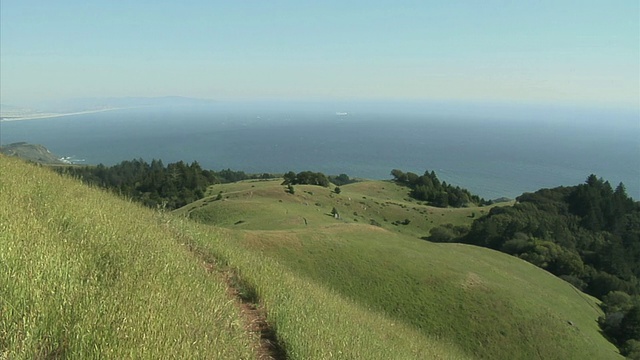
32, 152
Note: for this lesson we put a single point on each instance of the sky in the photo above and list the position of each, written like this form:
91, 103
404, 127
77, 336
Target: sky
576, 52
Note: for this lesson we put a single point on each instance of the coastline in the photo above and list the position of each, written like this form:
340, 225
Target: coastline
53, 115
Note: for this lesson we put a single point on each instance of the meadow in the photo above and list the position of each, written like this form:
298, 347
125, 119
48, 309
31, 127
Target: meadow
89, 275
486, 303
86, 274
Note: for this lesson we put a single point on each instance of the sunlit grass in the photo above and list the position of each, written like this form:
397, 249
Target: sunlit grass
87, 275
485, 302
84, 274
264, 205
314, 322
489, 304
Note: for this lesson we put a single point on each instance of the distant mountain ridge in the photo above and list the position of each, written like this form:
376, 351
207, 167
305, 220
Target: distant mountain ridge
81, 104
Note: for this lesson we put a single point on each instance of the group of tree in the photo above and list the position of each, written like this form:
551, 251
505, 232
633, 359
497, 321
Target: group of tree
587, 234
621, 322
306, 178
342, 179
430, 189
154, 184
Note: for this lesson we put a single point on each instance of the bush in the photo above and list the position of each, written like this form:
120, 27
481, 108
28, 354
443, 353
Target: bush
631, 349
617, 301
441, 234
446, 233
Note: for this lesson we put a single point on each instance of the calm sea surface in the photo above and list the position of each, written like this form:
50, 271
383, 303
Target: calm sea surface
491, 156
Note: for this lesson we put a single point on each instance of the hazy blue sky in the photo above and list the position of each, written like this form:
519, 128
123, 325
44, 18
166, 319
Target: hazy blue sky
562, 51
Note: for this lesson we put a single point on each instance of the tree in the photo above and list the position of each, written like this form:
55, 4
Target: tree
631, 349
399, 176
342, 179
429, 188
306, 178
289, 178
617, 301
441, 234
153, 184
630, 325
337, 190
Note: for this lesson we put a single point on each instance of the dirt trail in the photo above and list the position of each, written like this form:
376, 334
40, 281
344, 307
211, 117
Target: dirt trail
247, 302
245, 299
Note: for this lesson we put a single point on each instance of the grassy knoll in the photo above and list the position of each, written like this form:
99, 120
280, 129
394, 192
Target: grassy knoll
489, 304
264, 205
313, 321
84, 274
31, 152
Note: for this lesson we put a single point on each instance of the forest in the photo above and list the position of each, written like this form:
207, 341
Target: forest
430, 189
154, 184
589, 235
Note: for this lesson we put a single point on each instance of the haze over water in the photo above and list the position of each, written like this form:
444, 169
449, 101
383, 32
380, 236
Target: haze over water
493, 151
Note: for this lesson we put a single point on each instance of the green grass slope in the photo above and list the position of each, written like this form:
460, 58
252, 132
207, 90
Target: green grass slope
264, 205
87, 275
486, 303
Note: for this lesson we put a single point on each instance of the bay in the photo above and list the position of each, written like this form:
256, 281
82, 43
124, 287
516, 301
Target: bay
492, 154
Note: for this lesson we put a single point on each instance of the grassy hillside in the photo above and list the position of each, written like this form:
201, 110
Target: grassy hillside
264, 205
88, 275
489, 304
31, 152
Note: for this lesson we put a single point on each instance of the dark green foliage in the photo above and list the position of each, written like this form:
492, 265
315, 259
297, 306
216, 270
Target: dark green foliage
337, 190
631, 349
446, 233
306, 178
587, 234
429, 188
598, 205
630, 325
153, 184
617, 301
342, 179
289, 178
403, 222
621, 322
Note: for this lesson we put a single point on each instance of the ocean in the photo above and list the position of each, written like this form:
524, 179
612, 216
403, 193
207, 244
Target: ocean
498, 153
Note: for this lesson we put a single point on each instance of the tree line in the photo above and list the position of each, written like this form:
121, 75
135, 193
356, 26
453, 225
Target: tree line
588, 234
430, 189
306, 178
154, 184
